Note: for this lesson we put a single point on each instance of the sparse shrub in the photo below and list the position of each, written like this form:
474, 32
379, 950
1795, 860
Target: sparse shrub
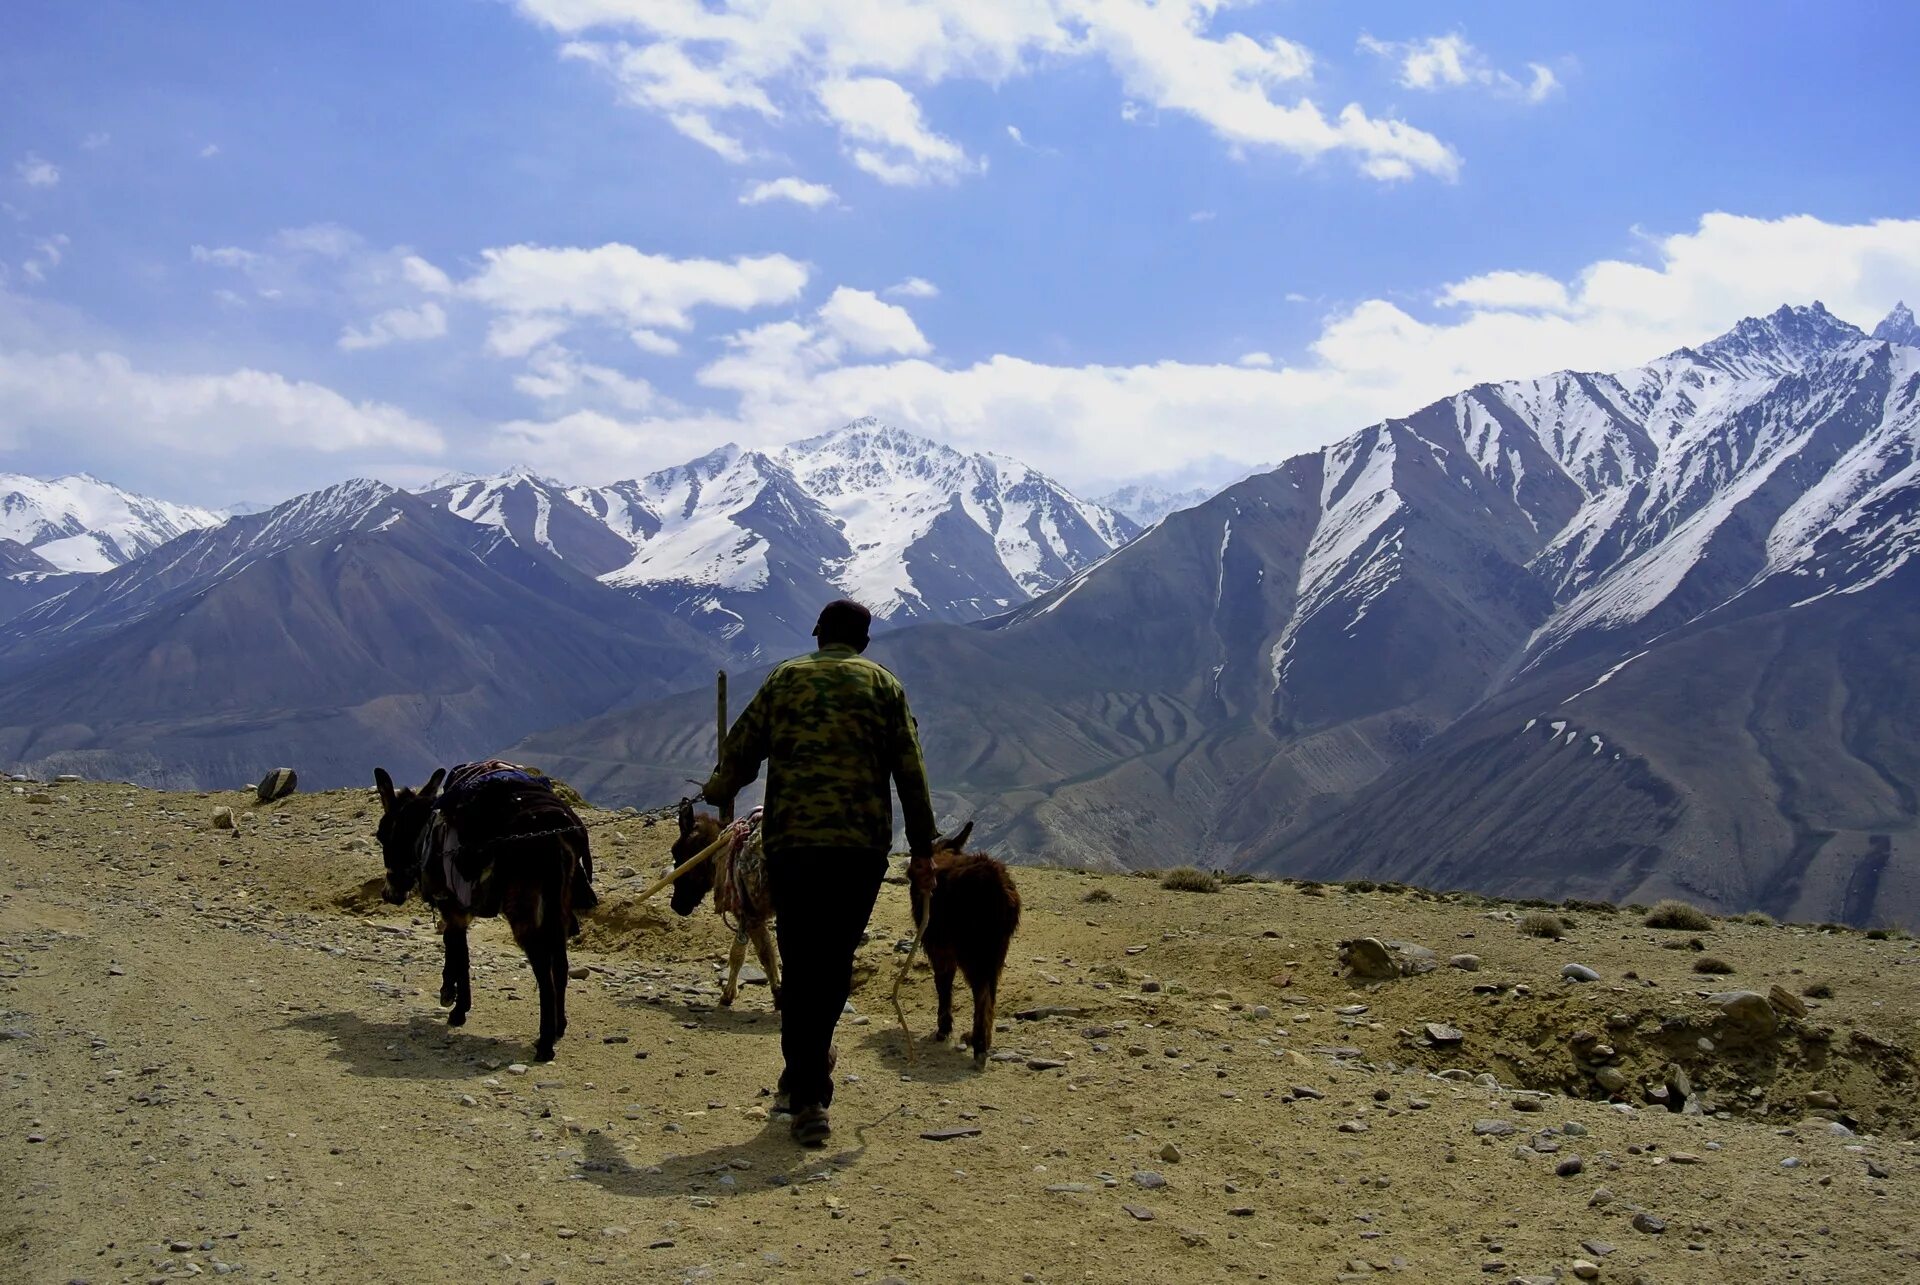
1817, 990
1534, 902
1712, 964
1311, 888
1187, 879
1758, 918
1591, 907
1362, 885
1097, 895
1879, 934
1636, 908
1678, 914
1539, 923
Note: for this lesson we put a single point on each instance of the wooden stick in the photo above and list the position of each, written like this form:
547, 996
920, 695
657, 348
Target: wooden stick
900, 978
704, 854
726, 808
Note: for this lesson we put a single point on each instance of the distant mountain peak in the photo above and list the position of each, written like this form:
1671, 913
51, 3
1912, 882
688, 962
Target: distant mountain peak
1784, 341
1899, 327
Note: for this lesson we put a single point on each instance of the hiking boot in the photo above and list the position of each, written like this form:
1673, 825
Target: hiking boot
810, 1127
783, 1096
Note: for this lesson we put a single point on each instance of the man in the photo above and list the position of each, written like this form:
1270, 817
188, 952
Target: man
834, 730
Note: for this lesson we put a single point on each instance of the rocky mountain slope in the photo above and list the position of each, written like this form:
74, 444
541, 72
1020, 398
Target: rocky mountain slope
1220, 687
353, 626
230, 1036
1146, 503
80, 523
746, 545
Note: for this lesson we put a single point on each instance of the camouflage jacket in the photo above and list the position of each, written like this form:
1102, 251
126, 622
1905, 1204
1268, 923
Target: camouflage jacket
834, 729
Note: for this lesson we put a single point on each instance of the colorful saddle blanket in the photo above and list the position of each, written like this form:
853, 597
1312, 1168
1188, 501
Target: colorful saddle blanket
740, 891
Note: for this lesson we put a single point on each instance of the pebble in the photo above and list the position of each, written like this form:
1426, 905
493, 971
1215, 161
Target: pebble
1648, 1224
578, 972
1465, 963
1579, 973
1139, 1213
517, 1068
1440, 1033
1570, 1166
1170, 1154
1490, 1128
1044, 1064
1586, 1271
1147, 1180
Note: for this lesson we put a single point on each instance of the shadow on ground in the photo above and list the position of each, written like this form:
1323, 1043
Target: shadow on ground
767, 1160
932, 1063
420, 1048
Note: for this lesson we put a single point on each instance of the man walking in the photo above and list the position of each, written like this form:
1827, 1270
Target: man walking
834, 731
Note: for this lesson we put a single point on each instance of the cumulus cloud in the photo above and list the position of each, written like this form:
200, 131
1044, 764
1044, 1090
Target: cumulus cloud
103, 398
48, 253
1092, 424
716, 68
868, 325
36, 171
619, 284
797, 190
1451, 62
397, 325
1262, 360
652, 341
557, 375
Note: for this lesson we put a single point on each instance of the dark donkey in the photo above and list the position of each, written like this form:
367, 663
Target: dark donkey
975, 911
499, 842
738, 883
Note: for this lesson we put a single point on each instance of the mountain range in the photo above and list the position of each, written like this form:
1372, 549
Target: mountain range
1621, 635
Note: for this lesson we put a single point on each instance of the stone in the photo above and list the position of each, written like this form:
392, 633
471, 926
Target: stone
1585, 1270
1570, 1166
223, 818
1647, 1224
1170, 1154
1579, 973
1492, 1128
1526, 1102
1465, 963
1822, 1100
948, 1135
1440, 1033
1746, 1013
1138, 1213
1368, 957
1785, 1002
277, 784
1046, 1011
1044, 1064
1611, 1078
1147, 1180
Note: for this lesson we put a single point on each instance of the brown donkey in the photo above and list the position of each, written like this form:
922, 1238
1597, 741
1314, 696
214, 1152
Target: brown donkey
975, 911
740, 894
498, 842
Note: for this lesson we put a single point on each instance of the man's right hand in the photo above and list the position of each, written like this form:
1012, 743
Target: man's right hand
920, 875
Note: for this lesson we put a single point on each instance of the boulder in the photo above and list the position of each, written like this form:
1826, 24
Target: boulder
277, 784
1746, 1013
223, 818
1371, 959
1785, 1002
1579, 973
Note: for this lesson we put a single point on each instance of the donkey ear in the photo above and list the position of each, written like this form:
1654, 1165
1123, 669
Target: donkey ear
432, 787
383, 783
960, 839
686, 818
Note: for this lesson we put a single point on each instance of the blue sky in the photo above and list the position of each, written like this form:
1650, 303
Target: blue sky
250, 249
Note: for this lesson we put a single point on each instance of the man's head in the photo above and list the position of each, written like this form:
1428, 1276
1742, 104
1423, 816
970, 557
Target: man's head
844, 623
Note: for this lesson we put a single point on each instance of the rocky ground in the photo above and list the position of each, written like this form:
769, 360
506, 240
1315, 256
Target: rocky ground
220, 1055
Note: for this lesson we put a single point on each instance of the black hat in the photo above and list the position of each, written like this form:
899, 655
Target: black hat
843, 621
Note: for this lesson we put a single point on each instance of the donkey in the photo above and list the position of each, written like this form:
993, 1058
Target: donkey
506, 845
976, 909
738, 882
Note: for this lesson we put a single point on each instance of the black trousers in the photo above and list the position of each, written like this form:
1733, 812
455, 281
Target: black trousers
823, 898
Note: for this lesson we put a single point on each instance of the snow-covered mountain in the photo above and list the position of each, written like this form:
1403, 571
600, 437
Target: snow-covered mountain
1331, 662
80, 523
747, 544
1146, 503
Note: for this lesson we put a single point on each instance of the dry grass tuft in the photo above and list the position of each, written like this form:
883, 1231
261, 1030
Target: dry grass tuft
1541, 923
1187, 879
1712, 964
1097, 895
1678, 914
1817, 990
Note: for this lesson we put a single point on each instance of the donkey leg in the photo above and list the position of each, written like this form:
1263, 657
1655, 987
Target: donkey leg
456, 979
943, 987
539, 959
559, 958
986, 998
769, 959
735, 957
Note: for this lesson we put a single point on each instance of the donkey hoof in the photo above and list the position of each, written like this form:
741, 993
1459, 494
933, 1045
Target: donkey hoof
980, 1060
776, 1001
726, 1001
543, 1052
448, 994
938, 1036
458, 1017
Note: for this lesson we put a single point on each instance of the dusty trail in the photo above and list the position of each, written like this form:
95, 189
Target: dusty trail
221, 1056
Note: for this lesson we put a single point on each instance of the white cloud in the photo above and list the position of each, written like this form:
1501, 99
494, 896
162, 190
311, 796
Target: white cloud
913, 288
1013, 132
867, 325
1202, 216
103, 398
1373, 360
210, 151
555, 374
95, 141
1450, 62
48, 254
757, 65
1262, 360
797, 190
397, 325
616, 283
36, 171
889, 136
424, 276
652, 341
517, 335
1521, 291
